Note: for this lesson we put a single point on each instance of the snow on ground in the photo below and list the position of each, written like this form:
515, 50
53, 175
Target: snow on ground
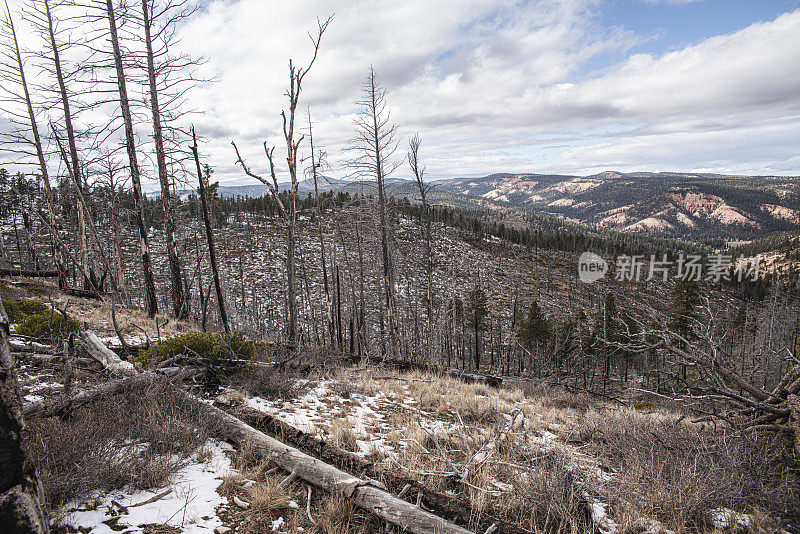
313, 412
130, 340
725, 518
191, 504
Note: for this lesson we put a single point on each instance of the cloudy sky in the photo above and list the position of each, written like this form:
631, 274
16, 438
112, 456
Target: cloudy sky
568, 86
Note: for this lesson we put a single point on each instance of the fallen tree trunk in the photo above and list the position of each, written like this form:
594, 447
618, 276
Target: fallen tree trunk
32, 347
59, 406
466, 376
28, 273
446, 505
48, 358
95, 348
407, 516
82, 293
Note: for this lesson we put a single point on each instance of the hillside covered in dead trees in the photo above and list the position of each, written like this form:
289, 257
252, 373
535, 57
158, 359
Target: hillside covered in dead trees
361, 355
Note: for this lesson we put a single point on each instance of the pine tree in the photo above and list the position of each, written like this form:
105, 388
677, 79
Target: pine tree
477, 311
535, 330
686, 300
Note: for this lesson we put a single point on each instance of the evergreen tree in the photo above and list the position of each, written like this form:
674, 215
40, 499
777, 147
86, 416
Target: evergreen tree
477, 311
535, 330
686, 300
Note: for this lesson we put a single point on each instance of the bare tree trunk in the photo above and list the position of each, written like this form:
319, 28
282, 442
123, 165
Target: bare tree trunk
419, 170
179, 302
374, 145
289, 211
26, 225
130, 144
22, 509
314, 166
74, 163
386, 256
212, 252
48, 193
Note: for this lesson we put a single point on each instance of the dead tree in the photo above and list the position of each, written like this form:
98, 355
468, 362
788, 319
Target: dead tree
110, 169
130, 145
316, 164
373, 148
22, 509
180, 303
28, 124
43, 20
418, 169
288, 210
735, 399
212, 251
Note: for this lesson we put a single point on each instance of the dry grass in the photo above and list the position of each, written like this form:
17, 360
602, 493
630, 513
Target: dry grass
269, 383
677, 472
139, 438
343, 435
259, 484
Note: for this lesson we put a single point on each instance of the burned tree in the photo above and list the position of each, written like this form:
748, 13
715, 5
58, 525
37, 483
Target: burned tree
130, 145
44, 21
22, 508
418, 170
158, 23
13, 75
288, 207
212, 251
316, 163
373, 148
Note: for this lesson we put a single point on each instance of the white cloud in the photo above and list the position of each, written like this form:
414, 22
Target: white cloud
490, 84
501, 85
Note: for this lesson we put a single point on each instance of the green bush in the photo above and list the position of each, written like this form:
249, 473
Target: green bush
41, 325
18, 309
209, 345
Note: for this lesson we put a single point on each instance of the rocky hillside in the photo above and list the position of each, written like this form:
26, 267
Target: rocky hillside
697, 205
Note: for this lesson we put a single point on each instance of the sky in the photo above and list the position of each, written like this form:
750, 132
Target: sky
561, 86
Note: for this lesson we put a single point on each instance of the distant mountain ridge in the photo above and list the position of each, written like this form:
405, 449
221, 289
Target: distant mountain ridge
671, 203
306, 186
691, 205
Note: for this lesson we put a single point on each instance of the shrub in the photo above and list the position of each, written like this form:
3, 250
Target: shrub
269, 383
677, 473
207, 345
19, 309
43, 325
139, 438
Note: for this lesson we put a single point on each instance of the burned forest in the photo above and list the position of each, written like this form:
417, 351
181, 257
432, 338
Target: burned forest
236, 301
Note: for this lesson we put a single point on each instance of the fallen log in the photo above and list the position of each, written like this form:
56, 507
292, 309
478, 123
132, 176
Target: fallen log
396, 511
58, 406
95, 348
82, 293
30, 347
446, 505
407, 516
48, 358
28, 273
466, 376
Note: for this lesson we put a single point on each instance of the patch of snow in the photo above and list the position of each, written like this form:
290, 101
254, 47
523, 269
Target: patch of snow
191, 505
724, 518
